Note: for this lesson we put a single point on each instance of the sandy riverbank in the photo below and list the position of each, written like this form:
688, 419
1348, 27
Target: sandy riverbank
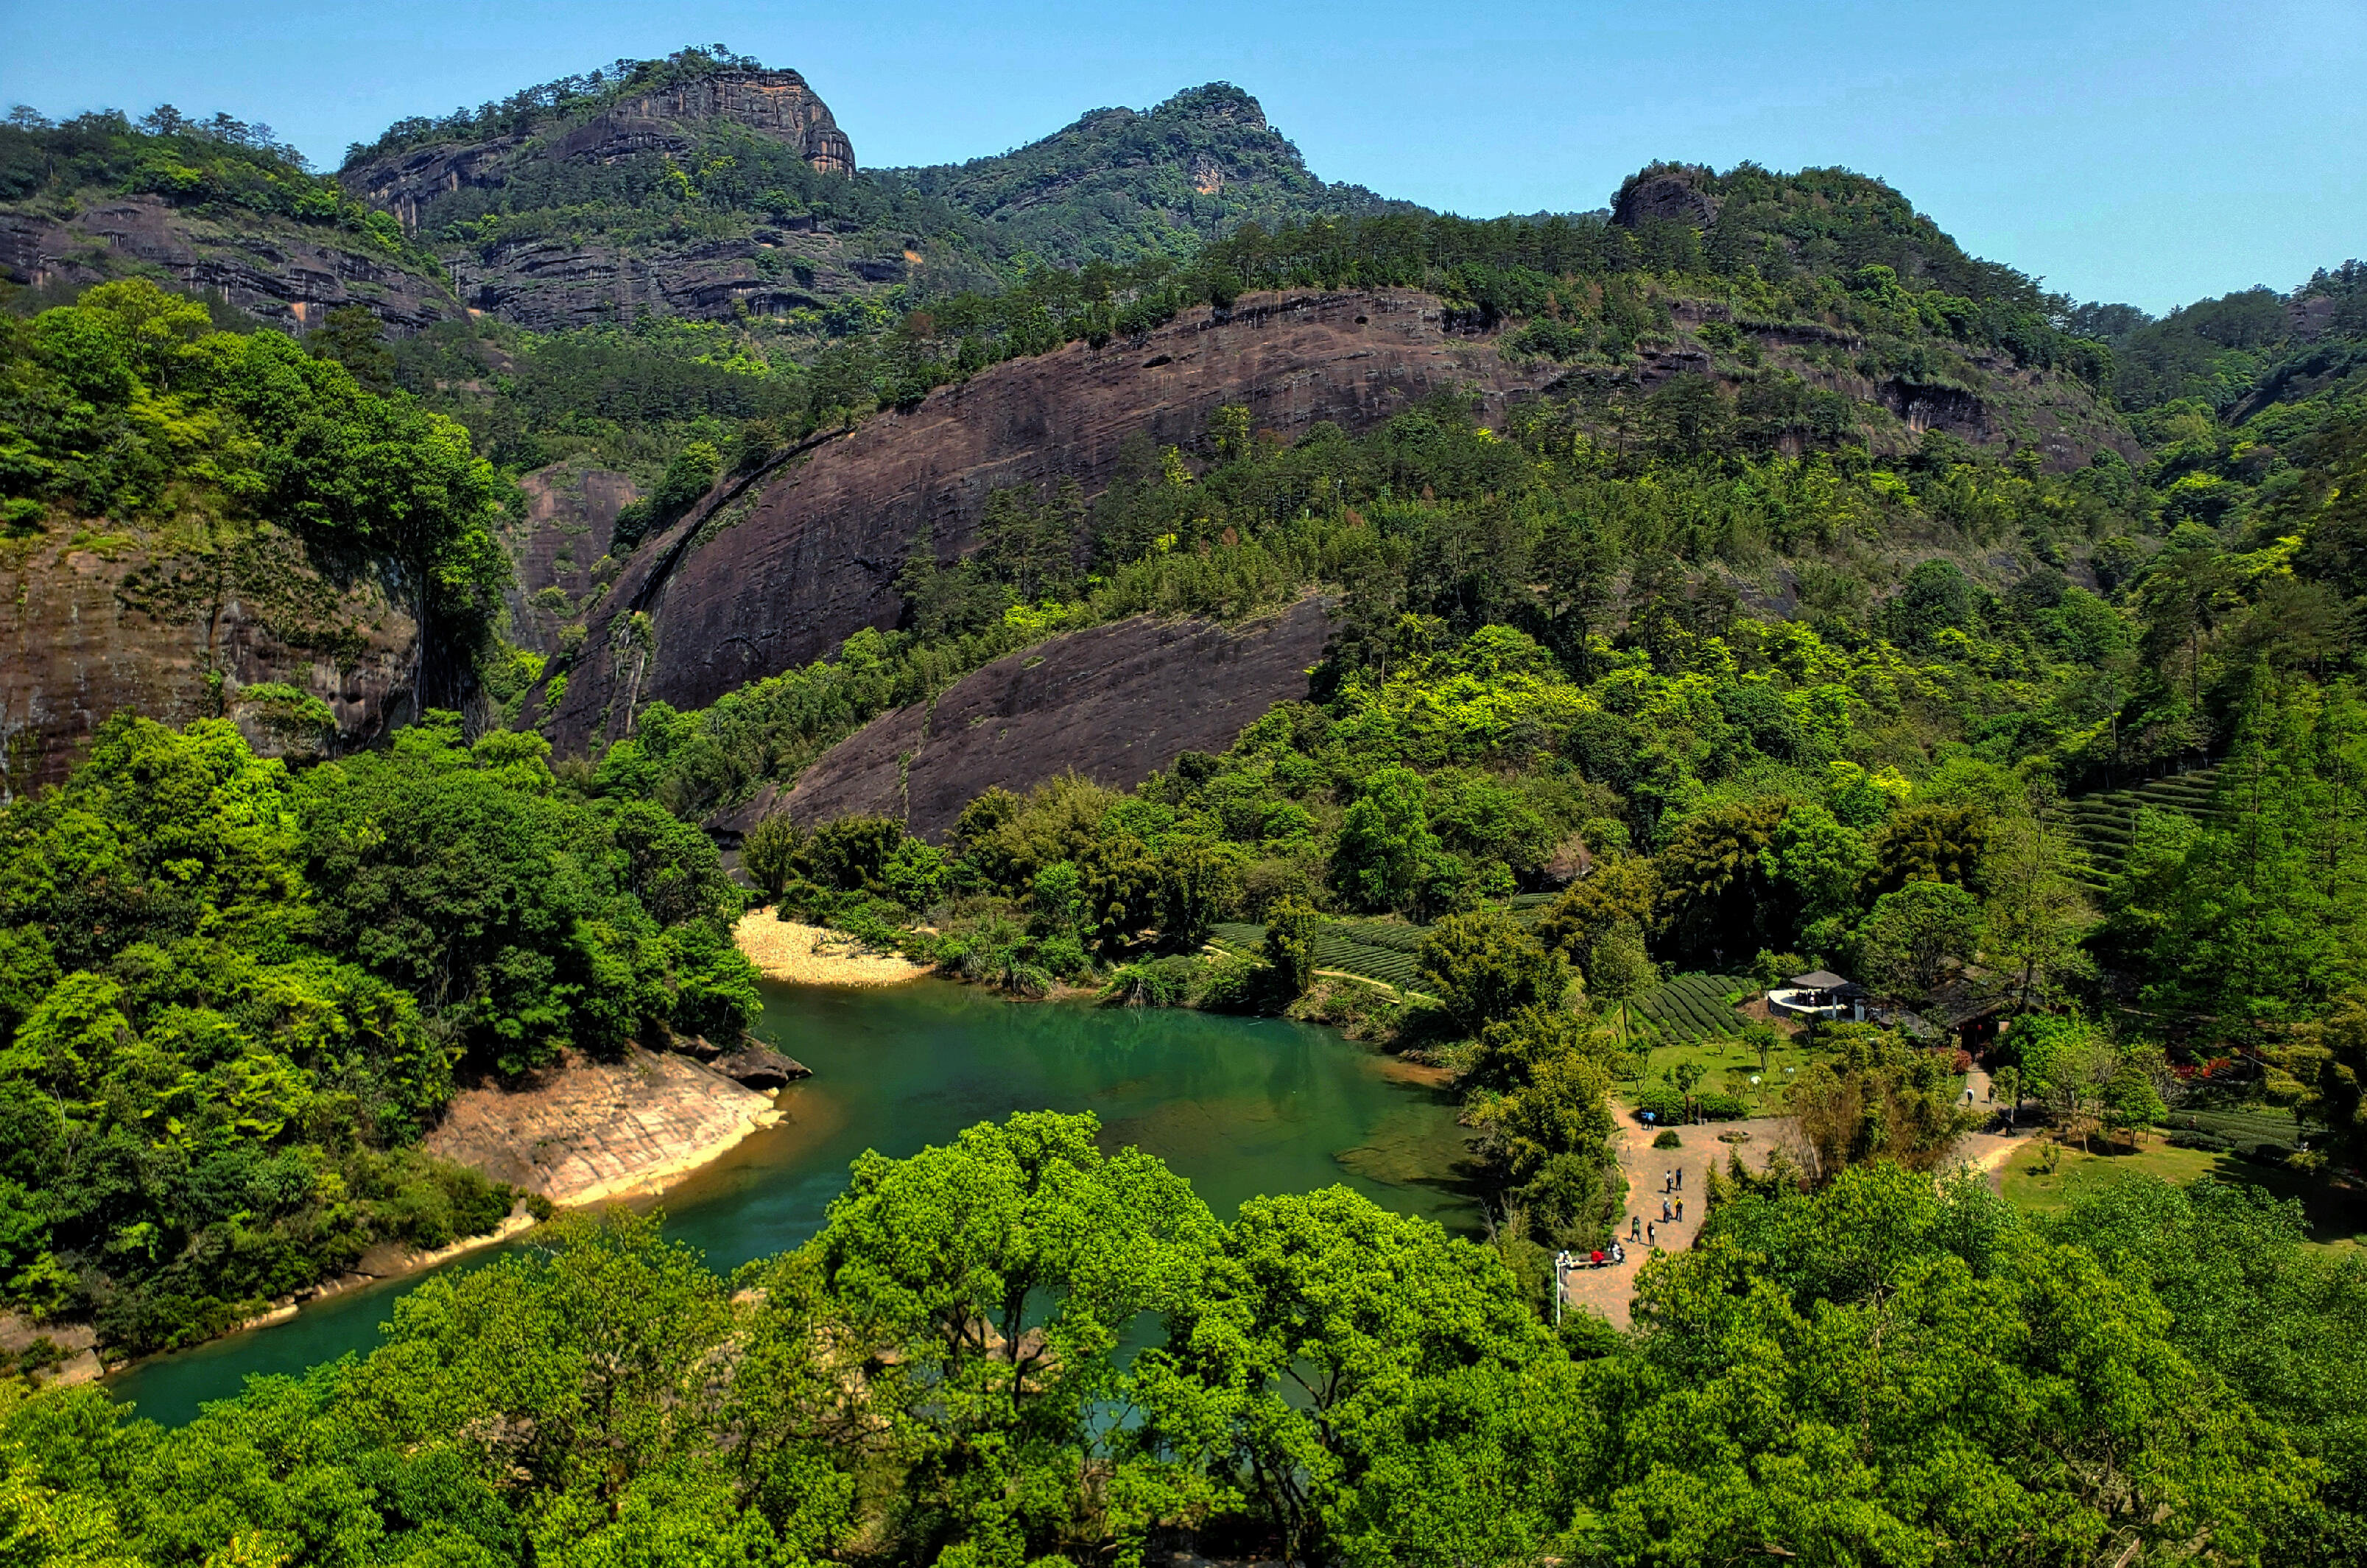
812, 955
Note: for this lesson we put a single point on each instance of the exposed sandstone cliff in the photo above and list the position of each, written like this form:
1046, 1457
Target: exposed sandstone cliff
816, 556
586, 1130
100, 620
1114, 704
571, 516
287, 274
575, 272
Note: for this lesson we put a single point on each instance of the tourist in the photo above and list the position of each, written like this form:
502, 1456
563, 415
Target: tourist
1635, 1227
1680, 1178
1681, 1210
1652, 1235
1664, 1211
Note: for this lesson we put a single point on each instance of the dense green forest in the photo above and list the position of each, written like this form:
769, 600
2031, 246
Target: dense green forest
232, 996
218, 164
1117, 185
1880, 1372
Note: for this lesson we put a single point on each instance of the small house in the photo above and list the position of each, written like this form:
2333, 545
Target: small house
1819, 994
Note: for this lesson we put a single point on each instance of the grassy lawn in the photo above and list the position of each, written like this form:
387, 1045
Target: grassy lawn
1729, 1065
2336, 1216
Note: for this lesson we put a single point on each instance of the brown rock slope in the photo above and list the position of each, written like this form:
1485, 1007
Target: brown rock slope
816, 556
288, 274
570, 515
1113, 703
94, 621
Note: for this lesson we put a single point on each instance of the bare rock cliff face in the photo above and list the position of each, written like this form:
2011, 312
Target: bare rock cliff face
571, 516
98, 622
583, 1131
816, 557
551, 283
1115, 704
285, 274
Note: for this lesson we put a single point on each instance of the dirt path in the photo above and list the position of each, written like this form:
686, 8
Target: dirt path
812, 955
1611, 1289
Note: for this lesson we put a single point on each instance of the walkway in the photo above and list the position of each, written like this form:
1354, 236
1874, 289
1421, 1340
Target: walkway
1610, 1289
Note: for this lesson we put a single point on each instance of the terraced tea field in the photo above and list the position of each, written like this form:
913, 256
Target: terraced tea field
2102, 823
1687, 1009
1384, 950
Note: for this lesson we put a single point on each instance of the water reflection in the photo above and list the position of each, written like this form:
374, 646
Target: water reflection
1238, 1106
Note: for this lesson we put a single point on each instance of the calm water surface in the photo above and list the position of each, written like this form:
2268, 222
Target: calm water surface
1239, 1106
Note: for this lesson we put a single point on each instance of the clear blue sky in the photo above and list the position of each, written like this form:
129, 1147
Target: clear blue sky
2149, 151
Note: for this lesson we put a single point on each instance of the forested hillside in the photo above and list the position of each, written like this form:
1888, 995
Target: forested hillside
1739, 581
231, 998
1118, 186
931, 1380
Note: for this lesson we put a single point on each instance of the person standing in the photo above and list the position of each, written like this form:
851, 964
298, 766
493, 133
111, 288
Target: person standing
1664, 1211
1635, 1227
1651, 1236
1680, 1178
1681, 1210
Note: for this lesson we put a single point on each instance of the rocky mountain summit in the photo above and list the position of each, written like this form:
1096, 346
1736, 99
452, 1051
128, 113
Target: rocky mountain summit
776, 105
706, 193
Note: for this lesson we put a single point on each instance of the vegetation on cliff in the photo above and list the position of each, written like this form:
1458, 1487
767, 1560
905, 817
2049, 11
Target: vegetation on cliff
1117, 185
125, 416
217, 165
231, 998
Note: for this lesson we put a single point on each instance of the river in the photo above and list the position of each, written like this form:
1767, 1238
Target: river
1238, 1106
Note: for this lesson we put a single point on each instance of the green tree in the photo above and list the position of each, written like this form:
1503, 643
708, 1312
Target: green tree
1290, 929
1618, 968
1322, 1325
1874, 1095
990, 1281
1820, 862
1922, 1329
2036, 911
355, 338
770, 852
1912, 936
1483, 966
1928, 841
1717, 895
1385, 842
2070, 1065
2324, 1070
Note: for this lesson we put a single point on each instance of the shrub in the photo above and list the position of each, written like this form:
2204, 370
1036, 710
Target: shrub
1667, 1140
1664, 1104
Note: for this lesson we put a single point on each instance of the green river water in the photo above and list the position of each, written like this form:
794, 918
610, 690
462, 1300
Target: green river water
1238, 1106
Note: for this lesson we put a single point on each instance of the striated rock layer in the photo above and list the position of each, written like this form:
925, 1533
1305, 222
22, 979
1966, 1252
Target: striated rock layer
1115, 704
579, 275
94, 621
287, 274
588, 1131
776, 104
816, 557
